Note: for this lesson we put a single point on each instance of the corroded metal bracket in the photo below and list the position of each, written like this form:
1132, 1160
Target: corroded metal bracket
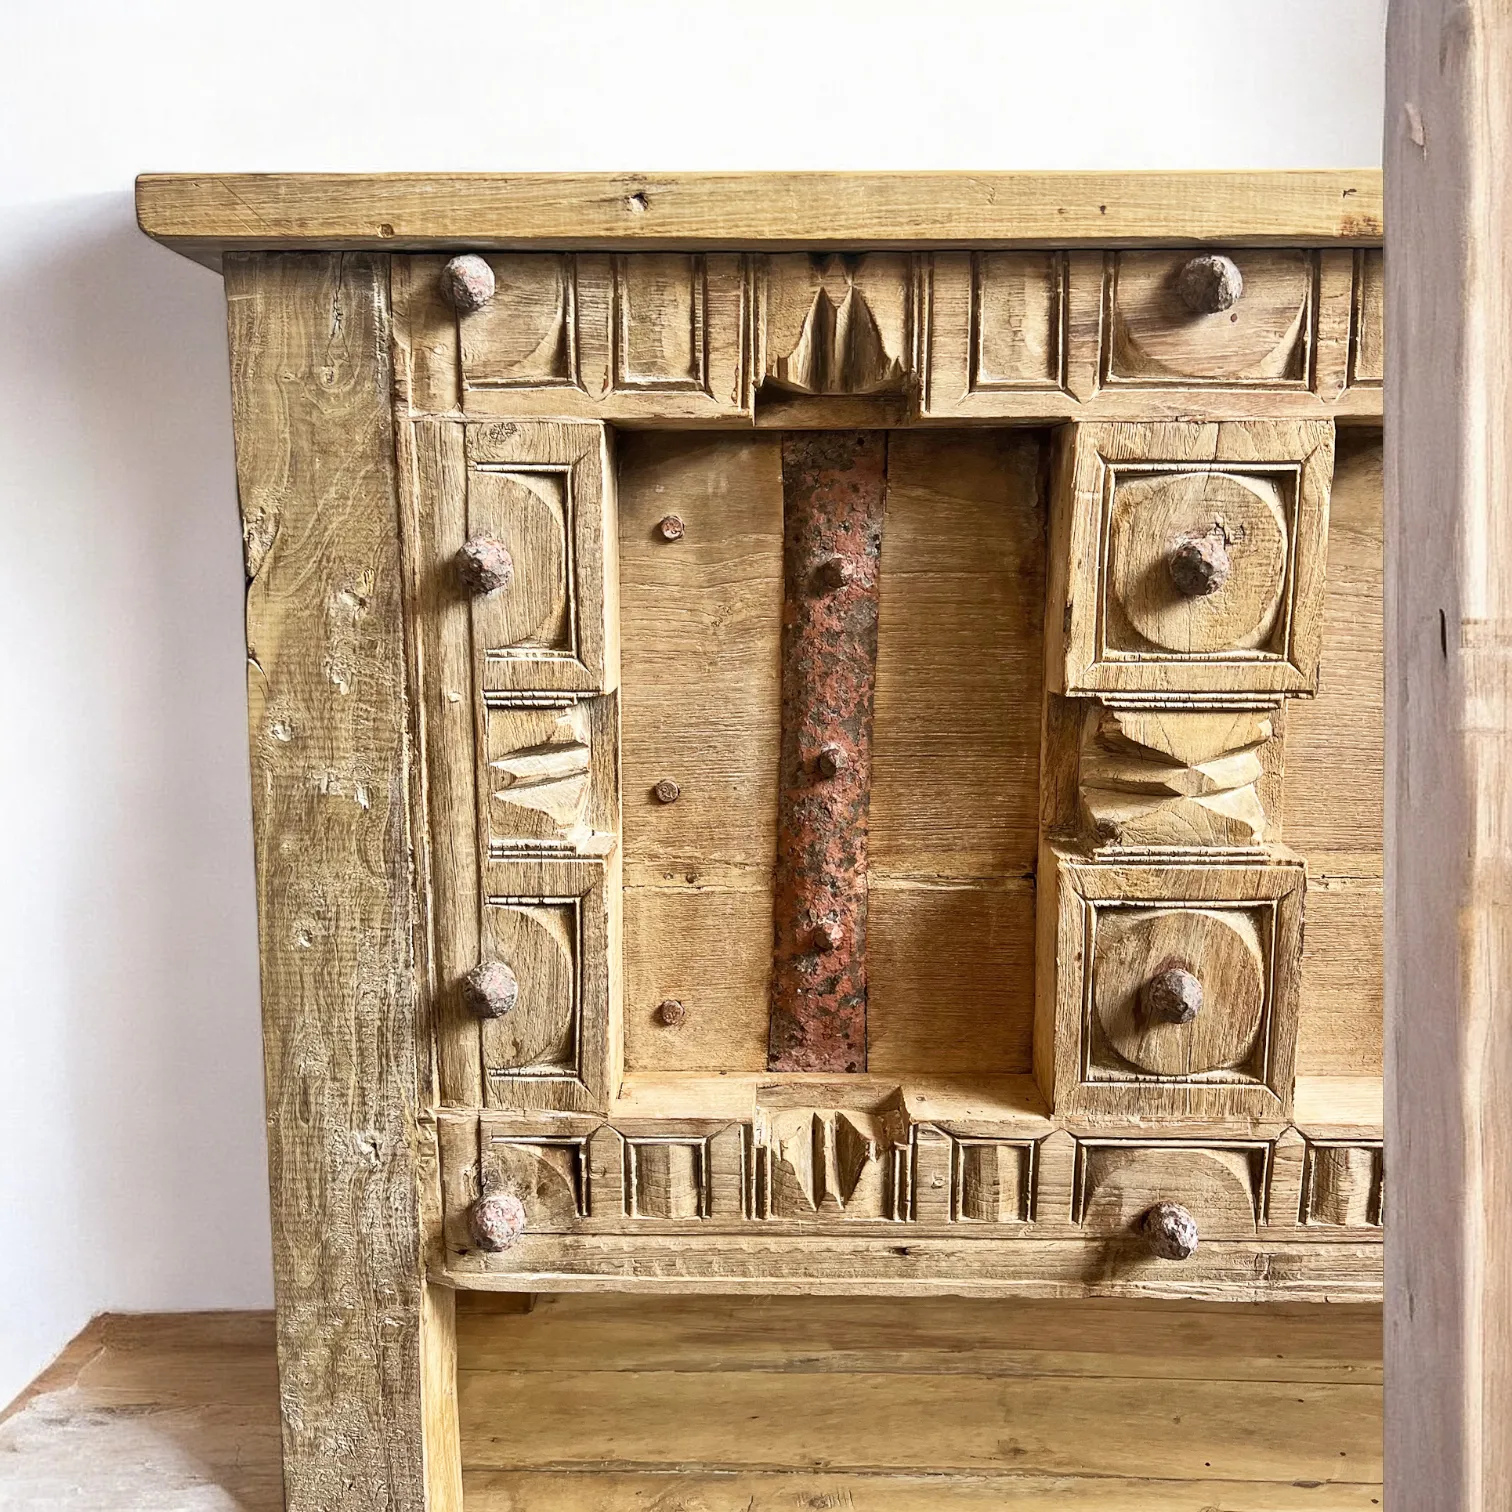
834, 489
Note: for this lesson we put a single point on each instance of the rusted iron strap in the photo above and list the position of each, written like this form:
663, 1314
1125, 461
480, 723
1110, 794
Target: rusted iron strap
833, 487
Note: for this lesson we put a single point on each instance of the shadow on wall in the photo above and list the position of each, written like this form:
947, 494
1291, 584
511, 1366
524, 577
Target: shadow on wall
127, 899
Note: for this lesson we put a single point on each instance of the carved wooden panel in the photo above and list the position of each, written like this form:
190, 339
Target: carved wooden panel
1189, 558
1165, 777
545, 491
829, 1164
644, 334
837, 324
1344, 1187
547, 773
1368, 358
550, 922
1108, 1047
1156, 336
1119, 1182
999, 327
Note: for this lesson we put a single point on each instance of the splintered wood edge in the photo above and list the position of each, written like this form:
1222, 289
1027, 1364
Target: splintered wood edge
203, 215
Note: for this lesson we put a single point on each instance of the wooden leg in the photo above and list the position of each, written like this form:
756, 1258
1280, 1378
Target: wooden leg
362, 1352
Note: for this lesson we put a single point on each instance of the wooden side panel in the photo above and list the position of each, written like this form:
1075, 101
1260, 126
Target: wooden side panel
955, 765
1449, 706
315, 467
701, 619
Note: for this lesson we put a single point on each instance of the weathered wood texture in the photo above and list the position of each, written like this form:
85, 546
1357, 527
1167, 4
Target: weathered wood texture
1449, 705
918, 1404
168, 1413
325, 672
204, 214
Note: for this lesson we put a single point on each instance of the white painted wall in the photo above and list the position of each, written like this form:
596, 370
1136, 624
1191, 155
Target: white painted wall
131, 1167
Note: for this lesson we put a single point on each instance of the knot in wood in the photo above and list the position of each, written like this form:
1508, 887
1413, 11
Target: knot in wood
831, 760
484, 565
671, 1013
666, 791
1173, 995
1199, 565
670, 527
837, 572
497, 1220
1209, 285
491, 989
826, 935
467, 283
1170, 1231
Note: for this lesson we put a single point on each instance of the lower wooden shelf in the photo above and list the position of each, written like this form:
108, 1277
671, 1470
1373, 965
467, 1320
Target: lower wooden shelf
736, 1404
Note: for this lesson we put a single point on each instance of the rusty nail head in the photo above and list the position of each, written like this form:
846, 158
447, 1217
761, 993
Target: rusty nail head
467, 282
826, 935
1199, 565
485, 565
491, 989
667, 791
670, 1012
832, 760
497, 1220
836, 572
670, 528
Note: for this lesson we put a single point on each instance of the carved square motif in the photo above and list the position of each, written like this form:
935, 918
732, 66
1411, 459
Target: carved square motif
1343, 1186
659, 331
526, 336
667, 1178
838, 324
549, 923
1190, 558
1168, 991
548, 1174
993, 1181
543, 490
1008, 334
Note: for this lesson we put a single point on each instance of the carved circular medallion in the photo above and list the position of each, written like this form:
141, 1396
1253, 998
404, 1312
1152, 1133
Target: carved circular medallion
1155, 518
1220, 949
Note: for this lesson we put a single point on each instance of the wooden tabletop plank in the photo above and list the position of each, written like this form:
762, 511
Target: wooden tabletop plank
203, 215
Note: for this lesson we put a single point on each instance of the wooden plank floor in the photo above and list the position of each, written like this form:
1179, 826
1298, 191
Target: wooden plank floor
747, 1404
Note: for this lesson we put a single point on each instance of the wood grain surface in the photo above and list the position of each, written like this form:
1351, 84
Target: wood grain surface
325, 678
1449, 707
178, 1413
205, 214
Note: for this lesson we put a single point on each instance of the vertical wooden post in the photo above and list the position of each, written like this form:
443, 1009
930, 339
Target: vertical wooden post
1449, 785
359, 1348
